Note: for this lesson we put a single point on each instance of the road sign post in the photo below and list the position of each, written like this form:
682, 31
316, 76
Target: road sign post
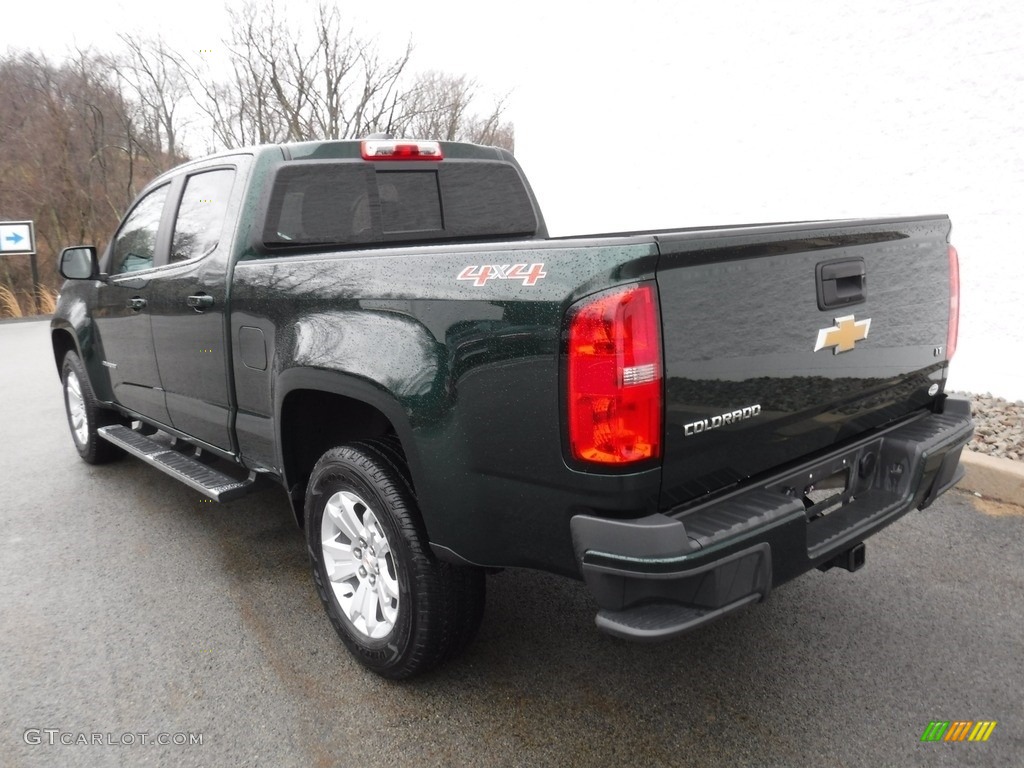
18, 238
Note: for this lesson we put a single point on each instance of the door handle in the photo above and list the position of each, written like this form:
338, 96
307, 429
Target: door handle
200, 302
136, 303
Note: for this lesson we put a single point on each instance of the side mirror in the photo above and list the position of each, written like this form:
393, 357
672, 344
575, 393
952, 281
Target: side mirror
79, 263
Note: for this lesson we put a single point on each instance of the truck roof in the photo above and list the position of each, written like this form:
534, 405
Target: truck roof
345, 149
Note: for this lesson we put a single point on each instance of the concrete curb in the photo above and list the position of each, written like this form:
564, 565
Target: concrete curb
993, 478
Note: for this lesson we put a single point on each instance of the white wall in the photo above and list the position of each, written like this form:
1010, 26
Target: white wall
662, 114
745, 112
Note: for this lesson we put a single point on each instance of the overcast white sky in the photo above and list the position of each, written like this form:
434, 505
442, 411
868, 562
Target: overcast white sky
665, 114
652, 114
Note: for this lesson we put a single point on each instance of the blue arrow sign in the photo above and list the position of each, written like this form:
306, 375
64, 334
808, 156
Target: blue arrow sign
16, 237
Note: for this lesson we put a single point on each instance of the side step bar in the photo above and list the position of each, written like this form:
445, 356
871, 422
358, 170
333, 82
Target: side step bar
193, 473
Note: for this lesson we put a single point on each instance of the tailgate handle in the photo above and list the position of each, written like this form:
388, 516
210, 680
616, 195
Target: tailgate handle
841, 283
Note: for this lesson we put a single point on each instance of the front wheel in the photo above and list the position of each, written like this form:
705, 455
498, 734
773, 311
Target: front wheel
398, 609
85, 415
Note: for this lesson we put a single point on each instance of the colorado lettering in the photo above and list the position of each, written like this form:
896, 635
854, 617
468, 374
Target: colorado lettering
706, 425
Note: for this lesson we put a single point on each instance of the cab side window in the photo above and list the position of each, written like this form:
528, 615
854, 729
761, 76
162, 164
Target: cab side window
135, 242
200, 220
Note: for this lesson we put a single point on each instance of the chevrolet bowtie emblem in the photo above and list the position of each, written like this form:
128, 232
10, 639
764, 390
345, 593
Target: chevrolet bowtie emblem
843, 335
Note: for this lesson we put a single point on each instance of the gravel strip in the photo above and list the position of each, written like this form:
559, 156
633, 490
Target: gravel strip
999, 426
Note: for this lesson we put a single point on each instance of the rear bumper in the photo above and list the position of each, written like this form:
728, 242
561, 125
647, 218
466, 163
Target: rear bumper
665, 574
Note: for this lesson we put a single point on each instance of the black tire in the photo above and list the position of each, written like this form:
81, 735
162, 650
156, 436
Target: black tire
437, 606
85, 415
467, 588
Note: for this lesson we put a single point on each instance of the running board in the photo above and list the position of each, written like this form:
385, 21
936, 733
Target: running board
192, 472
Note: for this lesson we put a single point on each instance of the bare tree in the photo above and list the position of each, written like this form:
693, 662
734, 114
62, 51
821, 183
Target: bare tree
442, 106
72, 156
153, 74
287, 87
81, 137
288, 83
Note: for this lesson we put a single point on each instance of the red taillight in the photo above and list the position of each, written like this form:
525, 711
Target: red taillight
614, 377
392, 149
954, 303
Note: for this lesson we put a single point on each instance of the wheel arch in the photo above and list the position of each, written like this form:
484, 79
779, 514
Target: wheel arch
63, 340
66, 336
316, 410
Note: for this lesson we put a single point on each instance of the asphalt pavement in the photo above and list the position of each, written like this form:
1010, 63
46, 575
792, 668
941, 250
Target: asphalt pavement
134, 612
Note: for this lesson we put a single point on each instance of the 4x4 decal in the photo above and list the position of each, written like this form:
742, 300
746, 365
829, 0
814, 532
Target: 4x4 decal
479, 275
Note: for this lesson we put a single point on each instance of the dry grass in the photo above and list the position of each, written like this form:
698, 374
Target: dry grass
46, 299
9, 305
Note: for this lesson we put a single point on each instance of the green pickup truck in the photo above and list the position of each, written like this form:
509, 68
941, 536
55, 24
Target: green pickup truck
684, 418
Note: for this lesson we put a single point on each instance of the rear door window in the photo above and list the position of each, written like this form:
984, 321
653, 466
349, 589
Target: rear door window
201, 212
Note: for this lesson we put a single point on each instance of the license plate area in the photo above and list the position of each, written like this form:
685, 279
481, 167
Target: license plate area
828, 486
827, 495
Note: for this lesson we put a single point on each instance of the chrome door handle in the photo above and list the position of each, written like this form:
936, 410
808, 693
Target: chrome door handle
136, 303
200, 302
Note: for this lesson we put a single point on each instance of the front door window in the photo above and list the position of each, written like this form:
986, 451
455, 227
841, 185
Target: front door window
135, 242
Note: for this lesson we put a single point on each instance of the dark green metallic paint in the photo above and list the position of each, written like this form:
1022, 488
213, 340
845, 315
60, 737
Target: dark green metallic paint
386, 339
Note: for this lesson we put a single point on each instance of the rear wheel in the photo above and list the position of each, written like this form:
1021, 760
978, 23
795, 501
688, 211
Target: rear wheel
85, 415
399, 610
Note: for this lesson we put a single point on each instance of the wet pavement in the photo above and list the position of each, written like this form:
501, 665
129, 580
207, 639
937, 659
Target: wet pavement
133, 611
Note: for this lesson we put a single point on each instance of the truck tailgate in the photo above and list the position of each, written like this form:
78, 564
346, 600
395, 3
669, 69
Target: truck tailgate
784, 340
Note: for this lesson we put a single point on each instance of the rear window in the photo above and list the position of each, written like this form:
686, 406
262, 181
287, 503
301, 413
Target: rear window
358, 203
